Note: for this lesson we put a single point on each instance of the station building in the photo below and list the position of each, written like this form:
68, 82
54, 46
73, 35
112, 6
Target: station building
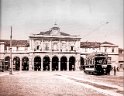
52, 50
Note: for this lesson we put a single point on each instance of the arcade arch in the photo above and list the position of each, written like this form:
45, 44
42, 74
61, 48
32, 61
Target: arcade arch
71, 63
7, 63
37, 63
16, 63
63, 63
55, 63
25, 63
46, 63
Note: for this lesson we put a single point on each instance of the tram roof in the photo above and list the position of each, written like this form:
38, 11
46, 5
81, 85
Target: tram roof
96, 54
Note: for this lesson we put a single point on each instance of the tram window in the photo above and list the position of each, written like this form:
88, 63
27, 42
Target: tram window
99, 60
90, 61
91, 66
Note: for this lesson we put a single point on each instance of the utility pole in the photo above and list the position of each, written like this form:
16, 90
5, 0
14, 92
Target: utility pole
11, 64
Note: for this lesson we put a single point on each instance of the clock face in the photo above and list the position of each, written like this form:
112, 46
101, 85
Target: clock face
55, 32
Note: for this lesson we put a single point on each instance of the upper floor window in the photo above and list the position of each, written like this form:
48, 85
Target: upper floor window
72, 48
105, 49
17, 48
55, 47
46, 46
85, 49
38, 47
5, 48
113, 50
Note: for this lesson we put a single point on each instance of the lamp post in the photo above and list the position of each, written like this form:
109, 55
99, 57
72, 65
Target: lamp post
11, 65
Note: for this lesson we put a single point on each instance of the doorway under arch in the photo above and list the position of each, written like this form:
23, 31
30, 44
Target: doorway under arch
46, 63
71, 63
7, 63
55, 63
16, 63
25, 63
37, 63
63, 63
81, 63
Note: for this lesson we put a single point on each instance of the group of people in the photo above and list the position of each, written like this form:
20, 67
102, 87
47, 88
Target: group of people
114, 68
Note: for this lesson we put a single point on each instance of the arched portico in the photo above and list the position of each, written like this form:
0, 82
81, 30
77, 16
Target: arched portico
55, 63
71, 63
25, 63
7, 63
37, 63
16, 63
63, 63
46, 63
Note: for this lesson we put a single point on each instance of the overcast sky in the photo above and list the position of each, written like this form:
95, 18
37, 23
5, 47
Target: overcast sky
92, 20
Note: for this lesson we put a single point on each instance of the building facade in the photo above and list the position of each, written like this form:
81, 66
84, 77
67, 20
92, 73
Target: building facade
121, 58
52, 50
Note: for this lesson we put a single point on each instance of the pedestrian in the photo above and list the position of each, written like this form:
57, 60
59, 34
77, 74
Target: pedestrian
108, 69
114, 70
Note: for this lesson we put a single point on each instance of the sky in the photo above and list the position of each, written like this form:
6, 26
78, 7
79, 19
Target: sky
92, 20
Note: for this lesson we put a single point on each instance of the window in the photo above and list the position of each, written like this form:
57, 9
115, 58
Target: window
112, 50
47, 46
72, 48
17, 48
105, 49
85, 49
38, 47
55, 47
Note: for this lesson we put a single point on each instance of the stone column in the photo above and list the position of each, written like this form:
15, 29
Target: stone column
42, 64
31, 62
67, 44
21, 65
59, 46
42, 44
50, 63
59, 66
67, 64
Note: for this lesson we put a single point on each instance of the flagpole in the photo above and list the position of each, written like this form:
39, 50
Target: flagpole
11, 65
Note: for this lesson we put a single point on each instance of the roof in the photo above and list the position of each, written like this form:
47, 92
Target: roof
19, 43
90, 44
49, 33
121, 49
107, 44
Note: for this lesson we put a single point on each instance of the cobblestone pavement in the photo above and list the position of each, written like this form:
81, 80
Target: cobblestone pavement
60, 84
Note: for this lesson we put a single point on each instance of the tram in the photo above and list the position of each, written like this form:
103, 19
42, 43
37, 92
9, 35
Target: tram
97, 64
